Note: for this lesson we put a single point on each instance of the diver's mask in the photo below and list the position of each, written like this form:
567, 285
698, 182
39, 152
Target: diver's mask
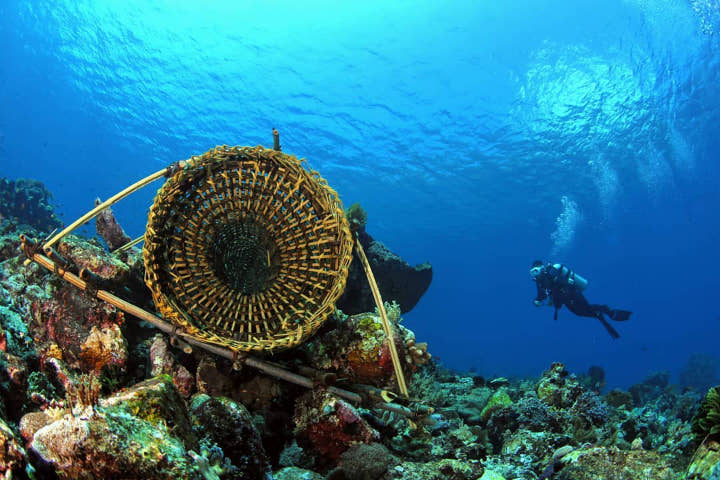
535, 271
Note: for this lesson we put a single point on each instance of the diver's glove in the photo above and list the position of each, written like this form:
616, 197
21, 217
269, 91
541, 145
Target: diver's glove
538, 303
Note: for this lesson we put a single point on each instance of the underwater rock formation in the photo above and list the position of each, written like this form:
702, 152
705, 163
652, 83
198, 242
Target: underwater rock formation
329, 426
28, 202
147, 432
357, 348
163, 362
705, 464
700, 372
229, 425
595, 463
13, 459
363, 462
396, 279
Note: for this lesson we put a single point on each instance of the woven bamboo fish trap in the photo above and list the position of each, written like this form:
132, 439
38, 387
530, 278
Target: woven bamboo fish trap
246, 249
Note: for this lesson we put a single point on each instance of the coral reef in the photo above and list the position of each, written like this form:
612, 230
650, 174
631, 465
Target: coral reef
700, 372
87, 393
144, 432
598, 463
28, 202
363, 462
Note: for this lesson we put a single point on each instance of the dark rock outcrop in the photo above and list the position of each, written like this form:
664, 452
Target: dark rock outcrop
230, 426
396, 279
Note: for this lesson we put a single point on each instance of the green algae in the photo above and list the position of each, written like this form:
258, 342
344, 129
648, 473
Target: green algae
706, 422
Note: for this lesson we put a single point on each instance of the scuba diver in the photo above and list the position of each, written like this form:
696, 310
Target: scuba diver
561, 286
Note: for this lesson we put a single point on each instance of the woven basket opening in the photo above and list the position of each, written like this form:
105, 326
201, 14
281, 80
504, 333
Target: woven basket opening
247, 249
243, 256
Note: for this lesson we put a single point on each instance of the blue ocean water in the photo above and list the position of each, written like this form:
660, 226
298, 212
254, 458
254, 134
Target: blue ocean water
479, 136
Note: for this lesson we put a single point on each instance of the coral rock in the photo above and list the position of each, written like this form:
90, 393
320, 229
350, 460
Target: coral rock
329, 426
31, 423
230, 426
163, 362
498, 400
69, 320
104, 348
601, 463
140, 432
491, 475
365, 462
156, 400
447, 469
295, 473
93, 258
110, 445
359, 350
557, 387
12, 454
706, 462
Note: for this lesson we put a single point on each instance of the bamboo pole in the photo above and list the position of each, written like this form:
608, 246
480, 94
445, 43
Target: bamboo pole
107, 203
129, 245
383, 315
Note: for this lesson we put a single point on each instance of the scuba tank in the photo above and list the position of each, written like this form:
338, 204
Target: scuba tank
570, 277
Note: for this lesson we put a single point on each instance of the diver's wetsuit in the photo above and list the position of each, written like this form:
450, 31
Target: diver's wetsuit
550, 283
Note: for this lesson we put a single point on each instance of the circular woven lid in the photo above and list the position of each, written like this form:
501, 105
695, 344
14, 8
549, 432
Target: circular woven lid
246, 249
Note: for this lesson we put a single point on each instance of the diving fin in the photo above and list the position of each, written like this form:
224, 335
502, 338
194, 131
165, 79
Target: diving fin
613, 333
620, 315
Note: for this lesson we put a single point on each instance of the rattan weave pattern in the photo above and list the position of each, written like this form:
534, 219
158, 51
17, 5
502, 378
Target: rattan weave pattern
247, 249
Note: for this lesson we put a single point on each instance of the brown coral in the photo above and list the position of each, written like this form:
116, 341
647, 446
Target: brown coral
329, 426
101, 348
86, 331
